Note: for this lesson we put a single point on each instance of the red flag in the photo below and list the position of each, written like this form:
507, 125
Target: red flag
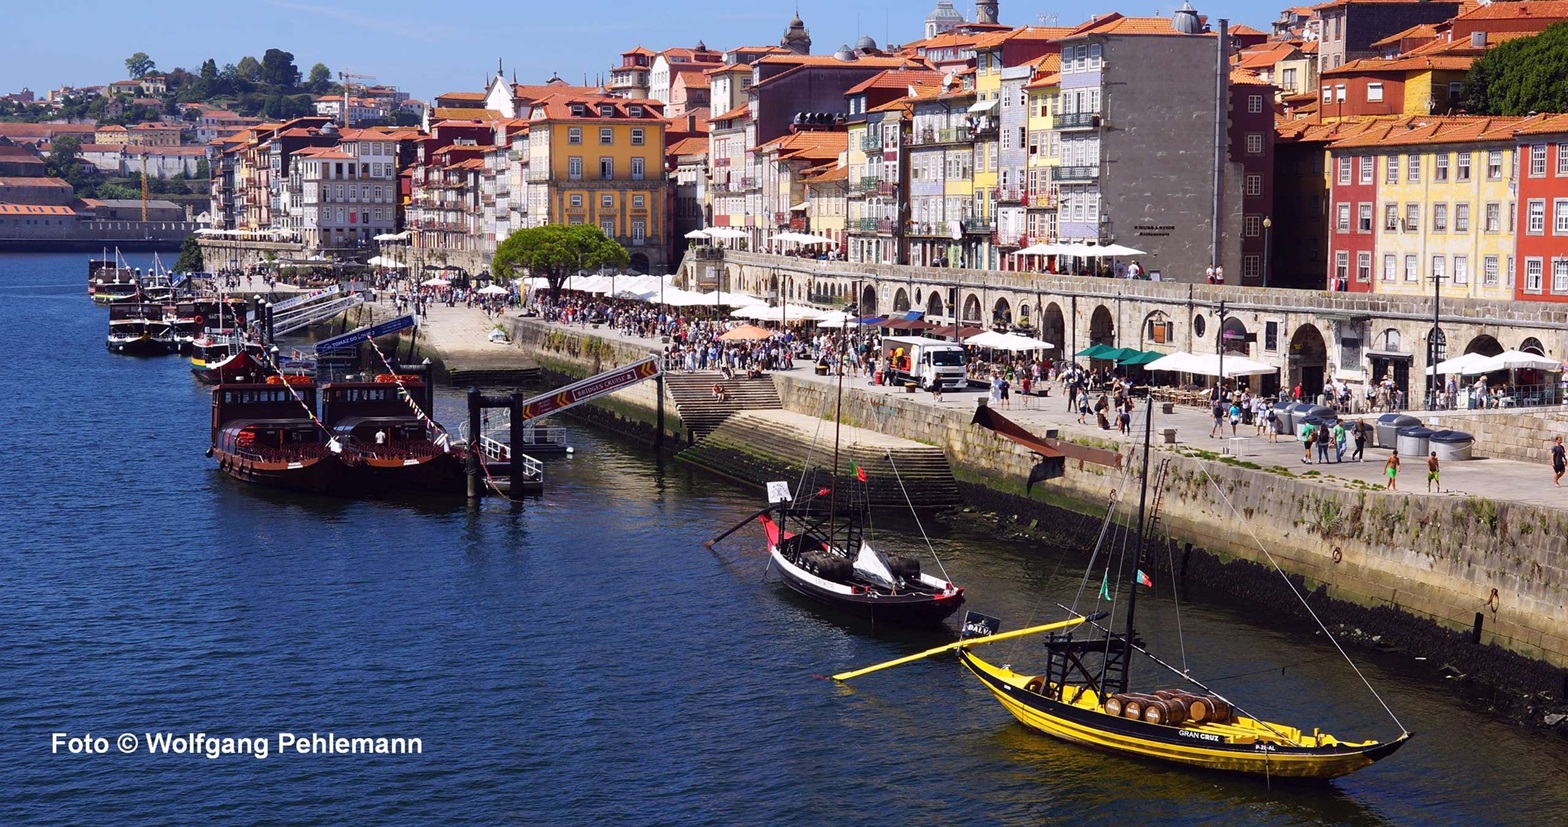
1144, 579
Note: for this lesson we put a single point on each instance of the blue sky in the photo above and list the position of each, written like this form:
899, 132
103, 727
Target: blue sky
428, 48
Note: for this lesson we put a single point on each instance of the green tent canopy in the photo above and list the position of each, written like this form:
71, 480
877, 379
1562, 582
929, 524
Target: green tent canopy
1143, 358
1096, 352
1122, 354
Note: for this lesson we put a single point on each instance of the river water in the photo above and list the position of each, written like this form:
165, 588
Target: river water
576, 659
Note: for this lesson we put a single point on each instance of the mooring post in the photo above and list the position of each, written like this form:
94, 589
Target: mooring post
1475, 634
515, 471
658, 434
475, 484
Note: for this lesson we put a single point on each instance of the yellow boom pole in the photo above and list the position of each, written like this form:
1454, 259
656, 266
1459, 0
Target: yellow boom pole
974, 641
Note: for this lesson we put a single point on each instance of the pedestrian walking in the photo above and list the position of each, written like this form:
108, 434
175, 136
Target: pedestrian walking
1391, 468
1359, 432
1339, 441
1323, 440
1219, 417
1431, 474
1559, 462
1308, 433
1270, 418
1235, 416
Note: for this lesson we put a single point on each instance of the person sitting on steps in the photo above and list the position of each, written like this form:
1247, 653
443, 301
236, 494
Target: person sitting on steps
719, 394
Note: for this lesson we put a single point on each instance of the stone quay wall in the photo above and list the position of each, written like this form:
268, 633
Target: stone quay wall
1432, 559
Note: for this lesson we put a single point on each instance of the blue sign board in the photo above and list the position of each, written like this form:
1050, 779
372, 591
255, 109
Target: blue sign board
364, 334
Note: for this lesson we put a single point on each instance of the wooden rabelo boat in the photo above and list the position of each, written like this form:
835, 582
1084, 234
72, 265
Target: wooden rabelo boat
819, 543
266, 434
387, 447
1081, 694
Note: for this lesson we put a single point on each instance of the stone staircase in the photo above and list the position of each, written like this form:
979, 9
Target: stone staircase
692, 394
761, 446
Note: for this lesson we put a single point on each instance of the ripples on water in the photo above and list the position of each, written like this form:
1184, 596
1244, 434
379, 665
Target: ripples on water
578, 659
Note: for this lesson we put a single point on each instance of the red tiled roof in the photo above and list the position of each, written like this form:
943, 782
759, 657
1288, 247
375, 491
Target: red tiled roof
463, 96
1423, 130
1453, 63
453, 113
1117, 24
808, 146
1543, 125
1244, 30
1420, 30
740, 111
688, 146
558, 107
1535, 9
34, 209
1040, 33
897, 79
324, 153
33, 181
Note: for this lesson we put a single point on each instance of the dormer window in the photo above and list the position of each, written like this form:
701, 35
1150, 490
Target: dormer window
606, 110
579, 110
635, 110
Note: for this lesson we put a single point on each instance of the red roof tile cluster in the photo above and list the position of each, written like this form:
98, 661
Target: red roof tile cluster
558, 107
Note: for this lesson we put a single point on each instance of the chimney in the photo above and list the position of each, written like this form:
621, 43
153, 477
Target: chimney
1478, 40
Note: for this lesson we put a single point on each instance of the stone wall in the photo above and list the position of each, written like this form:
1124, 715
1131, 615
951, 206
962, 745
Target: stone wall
1432, 558
1524, 437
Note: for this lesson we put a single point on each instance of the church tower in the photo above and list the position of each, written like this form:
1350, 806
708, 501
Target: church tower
985, 11
796, 38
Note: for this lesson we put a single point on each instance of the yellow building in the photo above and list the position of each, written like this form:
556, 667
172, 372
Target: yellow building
1442, 208
1045, 148
595, 159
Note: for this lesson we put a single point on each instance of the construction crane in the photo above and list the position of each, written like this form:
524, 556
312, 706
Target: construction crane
344, 77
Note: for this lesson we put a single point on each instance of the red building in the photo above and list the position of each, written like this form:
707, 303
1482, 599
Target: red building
1252, 113
1541, 224
1352, 204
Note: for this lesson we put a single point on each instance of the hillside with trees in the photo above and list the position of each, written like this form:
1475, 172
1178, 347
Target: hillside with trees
1520, 76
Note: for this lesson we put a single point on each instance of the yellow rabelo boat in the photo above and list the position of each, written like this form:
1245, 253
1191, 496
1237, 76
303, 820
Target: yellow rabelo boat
1082, 696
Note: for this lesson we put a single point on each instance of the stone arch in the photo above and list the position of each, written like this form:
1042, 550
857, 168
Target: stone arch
1308, 360
1484, 345
900, 300
868, 300
1053, 327
638, 263
1024, 316
1532, 345
1002, 313
934, 303
1102, 330
1233, 337
972, 310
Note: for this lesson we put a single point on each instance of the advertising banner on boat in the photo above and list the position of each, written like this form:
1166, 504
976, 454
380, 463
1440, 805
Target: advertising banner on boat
329, 290
354, 337
593, 386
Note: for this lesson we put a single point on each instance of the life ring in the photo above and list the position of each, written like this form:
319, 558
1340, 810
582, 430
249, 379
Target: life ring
1338, 555
1493, 601
200, 319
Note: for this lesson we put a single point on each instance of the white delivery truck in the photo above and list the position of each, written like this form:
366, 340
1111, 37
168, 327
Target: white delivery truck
922, 360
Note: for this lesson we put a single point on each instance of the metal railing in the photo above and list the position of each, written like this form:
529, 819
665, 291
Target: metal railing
1077, 173
977, 225
1077, 120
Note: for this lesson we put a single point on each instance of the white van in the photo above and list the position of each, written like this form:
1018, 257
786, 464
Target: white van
924, 361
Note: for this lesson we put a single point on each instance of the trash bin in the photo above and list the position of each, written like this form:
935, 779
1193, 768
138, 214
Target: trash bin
1414, 440
1324, 413
1282, 418
1388, 425
1451, 444
1298, 412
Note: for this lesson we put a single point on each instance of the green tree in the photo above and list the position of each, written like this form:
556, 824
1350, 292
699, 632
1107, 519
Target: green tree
320, 79
248, 69
139, 64
190, 256
1520, 76
556, 251
64, 154
278, 69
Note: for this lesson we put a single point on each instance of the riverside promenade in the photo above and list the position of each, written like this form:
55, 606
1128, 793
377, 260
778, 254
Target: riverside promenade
462, 333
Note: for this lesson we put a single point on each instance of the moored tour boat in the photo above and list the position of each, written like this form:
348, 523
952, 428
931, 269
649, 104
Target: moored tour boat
1082, 693
138, 330
265, 434
388, 448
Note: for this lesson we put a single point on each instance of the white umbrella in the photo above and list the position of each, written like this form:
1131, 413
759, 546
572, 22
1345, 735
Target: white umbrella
1242, 366
725, 232
1518, 360
783, 313
493, 290
1042, 250
731, 299
403, 236
837, 318
1180, 362
1469, 363
699, 235
807, 238
1119, 250
436, 283
1007, 341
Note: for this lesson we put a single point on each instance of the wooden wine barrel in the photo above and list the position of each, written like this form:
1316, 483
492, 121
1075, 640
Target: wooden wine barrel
1133, 705
1207, 709
1168, 694
1113, 706
1167, 711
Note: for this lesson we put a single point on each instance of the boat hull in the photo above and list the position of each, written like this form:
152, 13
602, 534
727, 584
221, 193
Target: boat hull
316, 475
138, 347
1241, 748
917, 609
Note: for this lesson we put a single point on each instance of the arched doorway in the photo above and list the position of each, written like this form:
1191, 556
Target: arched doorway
1234, 337
1483, 344
1390, 361
1102, 331
639, 263
1532, 345
1053, 327
900, 300
1001, 314
1158, 329
934, 303
972, 311
868, 300
1308, 360
1024, 317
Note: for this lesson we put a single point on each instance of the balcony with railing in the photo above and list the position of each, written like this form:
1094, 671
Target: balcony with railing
871, 143
984, 128
1076, 173
867, 185
927, 229
1077, 120
977, 225
887, 187
884, 226
947, 135
1012, 195
863, 225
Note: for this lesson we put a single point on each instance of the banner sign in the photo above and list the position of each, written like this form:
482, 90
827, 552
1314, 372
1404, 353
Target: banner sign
329, 290
593, 386
354, 337
979, 625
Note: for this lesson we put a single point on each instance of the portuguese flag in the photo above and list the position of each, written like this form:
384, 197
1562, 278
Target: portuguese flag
860, 473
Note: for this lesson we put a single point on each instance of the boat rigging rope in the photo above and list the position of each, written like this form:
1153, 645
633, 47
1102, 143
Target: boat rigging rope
284, 380
916, 515
442, 438
1303, 600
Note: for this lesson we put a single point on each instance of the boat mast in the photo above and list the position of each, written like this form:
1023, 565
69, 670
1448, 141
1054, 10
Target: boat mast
1143, 499
838, 419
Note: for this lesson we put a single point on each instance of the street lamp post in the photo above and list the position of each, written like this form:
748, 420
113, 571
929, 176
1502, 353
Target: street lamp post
1431, 344
1219, 336
1268, 225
